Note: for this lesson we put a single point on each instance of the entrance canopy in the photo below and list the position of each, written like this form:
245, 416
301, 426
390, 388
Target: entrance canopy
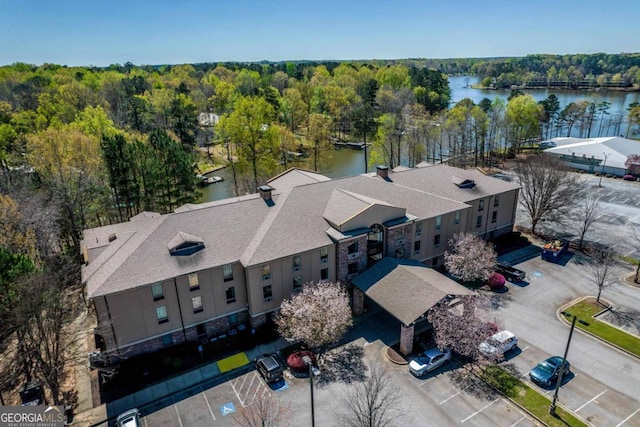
406, 288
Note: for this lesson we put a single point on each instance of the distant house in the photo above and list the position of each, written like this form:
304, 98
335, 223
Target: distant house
160, 280
595, 155
208, 119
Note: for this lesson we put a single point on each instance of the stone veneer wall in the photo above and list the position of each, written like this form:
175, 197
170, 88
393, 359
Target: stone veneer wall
393, 234
343, 261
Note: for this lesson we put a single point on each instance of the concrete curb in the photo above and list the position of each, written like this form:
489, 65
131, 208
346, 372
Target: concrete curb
564, 320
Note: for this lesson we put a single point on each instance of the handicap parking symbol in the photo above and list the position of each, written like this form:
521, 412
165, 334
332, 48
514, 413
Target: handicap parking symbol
227, 409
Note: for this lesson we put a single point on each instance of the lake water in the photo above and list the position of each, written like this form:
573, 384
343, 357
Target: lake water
619, 100
347, 162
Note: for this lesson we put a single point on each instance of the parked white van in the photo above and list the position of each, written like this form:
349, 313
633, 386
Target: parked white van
498, 344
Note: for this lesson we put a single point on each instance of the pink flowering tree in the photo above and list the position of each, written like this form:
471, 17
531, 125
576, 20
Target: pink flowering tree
318, 316
462, 323
470, 258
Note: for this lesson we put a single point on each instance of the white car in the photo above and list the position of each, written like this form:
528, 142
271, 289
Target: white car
428, 361
498, 344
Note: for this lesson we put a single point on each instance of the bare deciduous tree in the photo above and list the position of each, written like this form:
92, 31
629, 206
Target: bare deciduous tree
548, 190
603, 260
587, 214
318, 316
470, 258
375, 402
264, 411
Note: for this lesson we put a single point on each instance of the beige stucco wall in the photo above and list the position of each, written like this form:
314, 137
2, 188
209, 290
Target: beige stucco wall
376, 214
282, 275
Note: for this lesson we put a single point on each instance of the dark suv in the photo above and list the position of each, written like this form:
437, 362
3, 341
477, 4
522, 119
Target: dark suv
510, 273
270, 367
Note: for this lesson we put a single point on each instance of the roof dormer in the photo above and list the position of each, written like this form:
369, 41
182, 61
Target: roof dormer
185, 244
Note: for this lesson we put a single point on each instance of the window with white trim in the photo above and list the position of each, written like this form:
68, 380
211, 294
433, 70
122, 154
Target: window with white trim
196, 303
161, 314
296, 263
438, 222
230, 294
194, 283
265, 271
267, 293
157, 291
324, 255
227, 272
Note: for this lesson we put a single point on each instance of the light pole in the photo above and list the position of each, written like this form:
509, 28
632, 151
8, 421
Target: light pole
552, 407
602, 171
307, 360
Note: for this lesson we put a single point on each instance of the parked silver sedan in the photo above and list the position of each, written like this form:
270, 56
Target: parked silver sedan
429, 360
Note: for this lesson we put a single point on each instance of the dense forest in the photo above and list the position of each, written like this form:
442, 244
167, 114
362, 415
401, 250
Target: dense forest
82, 147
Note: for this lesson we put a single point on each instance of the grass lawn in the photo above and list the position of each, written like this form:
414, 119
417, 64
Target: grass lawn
528, 398
584, 310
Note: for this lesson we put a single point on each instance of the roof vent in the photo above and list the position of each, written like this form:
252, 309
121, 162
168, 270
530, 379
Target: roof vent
112, 237
184, 244
463, 182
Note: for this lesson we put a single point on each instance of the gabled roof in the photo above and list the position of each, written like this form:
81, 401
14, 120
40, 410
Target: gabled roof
344, 207
295, 177
406, 288
245, 229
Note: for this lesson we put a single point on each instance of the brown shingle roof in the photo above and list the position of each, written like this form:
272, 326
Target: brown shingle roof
405, 288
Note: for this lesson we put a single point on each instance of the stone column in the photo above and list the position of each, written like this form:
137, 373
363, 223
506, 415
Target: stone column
406, 339
358, 301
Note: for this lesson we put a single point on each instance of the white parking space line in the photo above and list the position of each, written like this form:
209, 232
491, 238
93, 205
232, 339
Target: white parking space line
522, 350
616, 217
637, 203
427, 381
628, 418
590, 401
208, 406
237, 395
178, 414
450, 397
478, 411
630, 252
625, 201
523, 417
147, 425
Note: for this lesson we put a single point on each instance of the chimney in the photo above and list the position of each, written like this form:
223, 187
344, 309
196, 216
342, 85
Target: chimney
382, 171
265, 192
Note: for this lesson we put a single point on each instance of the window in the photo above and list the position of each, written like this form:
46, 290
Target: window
193, 281
352, 248
227, 271
297, 284
353, 268
230, 294
233, 319
266, 272
401, 233
324, 255
496, 200
157, 292
438, 222
434, 262
167, 340
480, 205
267, 293
436, 241
296, 263
418, 228
457, 217
196, 303
161, 314
416, 247
494, 216
479, 221
324, 274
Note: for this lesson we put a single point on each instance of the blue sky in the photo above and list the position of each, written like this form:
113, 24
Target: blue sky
93, 32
